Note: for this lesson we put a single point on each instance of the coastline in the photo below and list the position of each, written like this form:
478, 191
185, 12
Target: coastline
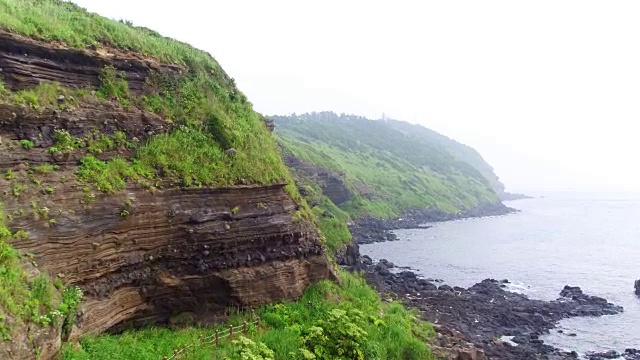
367, 230
484, 321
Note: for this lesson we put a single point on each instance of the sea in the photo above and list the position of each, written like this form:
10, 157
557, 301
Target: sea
579, 239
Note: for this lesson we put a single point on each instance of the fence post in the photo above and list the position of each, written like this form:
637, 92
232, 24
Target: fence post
217, 341
231, 331
244, 326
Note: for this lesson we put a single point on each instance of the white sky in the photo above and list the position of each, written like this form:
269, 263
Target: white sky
548, 91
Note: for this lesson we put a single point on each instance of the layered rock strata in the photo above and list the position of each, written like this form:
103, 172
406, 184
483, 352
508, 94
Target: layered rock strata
146, 253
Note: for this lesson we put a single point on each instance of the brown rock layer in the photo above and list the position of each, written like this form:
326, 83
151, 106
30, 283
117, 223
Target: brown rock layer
177, 250
331, 183
143, 256
140, 256
26, 63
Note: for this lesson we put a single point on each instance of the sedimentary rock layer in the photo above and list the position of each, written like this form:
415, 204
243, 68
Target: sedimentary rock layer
142, 254
26, 63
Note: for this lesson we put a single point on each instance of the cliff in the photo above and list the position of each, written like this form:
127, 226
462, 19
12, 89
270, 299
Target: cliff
135, 173
385, 168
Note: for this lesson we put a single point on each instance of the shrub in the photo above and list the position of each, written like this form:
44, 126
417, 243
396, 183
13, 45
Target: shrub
247, 349
27, 144
339, 336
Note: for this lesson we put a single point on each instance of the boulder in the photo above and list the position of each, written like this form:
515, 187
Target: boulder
611, 354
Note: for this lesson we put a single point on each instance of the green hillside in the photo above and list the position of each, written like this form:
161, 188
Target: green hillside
388, 166
209, 117
204, 101
460, 151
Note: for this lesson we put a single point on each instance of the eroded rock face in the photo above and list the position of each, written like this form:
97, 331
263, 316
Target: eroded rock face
26, 63
331, 184
143, 256
29, 340
140, 256
178, 250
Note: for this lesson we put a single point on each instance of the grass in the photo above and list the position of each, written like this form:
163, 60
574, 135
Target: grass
46, 168
387, 171
22, 300
45, 95
114, 86
185, 157
194, 154
55, 20
108, 176
14, 292
204, 99
375, 329
391, 331
27, 144
217, 140
331, 220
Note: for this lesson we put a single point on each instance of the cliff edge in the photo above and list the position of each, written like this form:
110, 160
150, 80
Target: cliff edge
137, 178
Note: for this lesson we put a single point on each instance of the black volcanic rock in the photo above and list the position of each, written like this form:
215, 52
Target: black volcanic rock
486, 311
369, 230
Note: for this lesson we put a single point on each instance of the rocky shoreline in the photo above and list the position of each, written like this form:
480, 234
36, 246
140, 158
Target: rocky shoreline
369, 230
484, 321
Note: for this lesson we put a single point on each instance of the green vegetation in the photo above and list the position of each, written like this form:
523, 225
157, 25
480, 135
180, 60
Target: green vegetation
331, 220
65, 143
45, 168
45, 95
329, 322
107, 176
114, 87
98, 143
388, 171
57, 20
186, 157
459, 151
27, 144
24, 300
204, 100
216, 139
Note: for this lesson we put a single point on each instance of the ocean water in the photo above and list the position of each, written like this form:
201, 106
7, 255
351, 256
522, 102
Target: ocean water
561, 239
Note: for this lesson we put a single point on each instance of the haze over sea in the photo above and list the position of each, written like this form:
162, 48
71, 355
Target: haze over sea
588, 240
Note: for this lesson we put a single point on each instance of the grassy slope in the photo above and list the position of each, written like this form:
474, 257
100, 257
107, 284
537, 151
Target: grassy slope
459, 151
404, 170
214, 116
391, 331
205, 100
209, 113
